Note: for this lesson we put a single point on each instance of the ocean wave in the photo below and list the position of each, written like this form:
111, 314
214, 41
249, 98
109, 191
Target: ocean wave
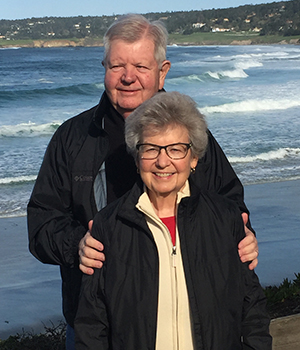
81, 89
29, 129
194, 78
281, 153
17, 179
10, 48
252, 106
244, 61
232, 74
259, 57
247, 64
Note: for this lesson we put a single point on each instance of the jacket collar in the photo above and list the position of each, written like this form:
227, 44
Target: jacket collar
104, 108
128, 208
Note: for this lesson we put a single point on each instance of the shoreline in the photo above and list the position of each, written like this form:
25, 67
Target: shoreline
182, 41
30, 292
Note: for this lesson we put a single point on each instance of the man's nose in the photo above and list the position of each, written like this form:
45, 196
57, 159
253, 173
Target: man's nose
129, 75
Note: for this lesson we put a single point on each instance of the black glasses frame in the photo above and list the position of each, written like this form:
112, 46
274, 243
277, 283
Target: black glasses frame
159, 148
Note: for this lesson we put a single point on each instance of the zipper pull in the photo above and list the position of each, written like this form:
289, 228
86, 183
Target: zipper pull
174, 255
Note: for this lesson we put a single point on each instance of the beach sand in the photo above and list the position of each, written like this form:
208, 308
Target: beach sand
30, 292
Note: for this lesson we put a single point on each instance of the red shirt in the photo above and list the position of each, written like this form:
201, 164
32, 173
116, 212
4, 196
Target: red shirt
170, 222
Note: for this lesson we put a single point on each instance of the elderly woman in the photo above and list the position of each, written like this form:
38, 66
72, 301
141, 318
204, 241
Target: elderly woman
172, 278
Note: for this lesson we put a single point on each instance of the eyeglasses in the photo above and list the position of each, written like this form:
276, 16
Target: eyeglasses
174, 151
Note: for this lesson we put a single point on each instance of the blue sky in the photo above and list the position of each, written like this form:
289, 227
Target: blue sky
19, 9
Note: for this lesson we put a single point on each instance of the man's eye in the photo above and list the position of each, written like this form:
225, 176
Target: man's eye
116, 68
142, 68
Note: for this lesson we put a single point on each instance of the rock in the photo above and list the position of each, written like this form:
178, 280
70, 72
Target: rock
295, 41
241, 42
67, 43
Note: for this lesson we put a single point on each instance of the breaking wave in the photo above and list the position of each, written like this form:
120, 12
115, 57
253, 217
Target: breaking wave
281, 153
29, 129
232, 74
17, 179
252, 106
27, 93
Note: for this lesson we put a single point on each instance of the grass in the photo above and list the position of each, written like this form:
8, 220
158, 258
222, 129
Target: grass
32, 43
283, 300
53, 338
16, 43
179, 39
226, 38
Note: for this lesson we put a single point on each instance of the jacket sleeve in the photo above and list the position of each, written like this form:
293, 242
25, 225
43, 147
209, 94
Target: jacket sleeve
255, 318
215, 173
91, 322
256, 321
53, 232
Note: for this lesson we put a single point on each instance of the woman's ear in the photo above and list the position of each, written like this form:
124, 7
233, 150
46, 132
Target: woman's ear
194, 162
137, 165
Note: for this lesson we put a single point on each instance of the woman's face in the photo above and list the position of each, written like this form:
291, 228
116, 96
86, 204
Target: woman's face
164, 176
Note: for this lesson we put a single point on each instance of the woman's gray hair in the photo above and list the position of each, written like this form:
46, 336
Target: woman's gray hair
162, 110
133, 27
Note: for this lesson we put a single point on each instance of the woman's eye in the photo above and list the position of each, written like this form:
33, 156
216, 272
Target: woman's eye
174, 150
150, 150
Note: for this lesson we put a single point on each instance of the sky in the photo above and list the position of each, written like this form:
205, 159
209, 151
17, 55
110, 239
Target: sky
20, 9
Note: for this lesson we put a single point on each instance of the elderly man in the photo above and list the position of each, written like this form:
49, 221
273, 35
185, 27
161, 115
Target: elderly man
86, 164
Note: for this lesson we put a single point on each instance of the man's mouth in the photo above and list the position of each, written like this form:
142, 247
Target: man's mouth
128, 91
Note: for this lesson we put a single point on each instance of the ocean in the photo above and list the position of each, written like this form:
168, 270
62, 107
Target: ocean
249, 95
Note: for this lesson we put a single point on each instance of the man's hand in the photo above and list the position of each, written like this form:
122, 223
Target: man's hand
248, 247
90, 253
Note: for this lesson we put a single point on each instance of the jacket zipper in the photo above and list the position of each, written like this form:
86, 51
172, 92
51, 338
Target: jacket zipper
174, 255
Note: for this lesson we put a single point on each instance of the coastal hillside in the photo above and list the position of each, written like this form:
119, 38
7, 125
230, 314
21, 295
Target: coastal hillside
276, 18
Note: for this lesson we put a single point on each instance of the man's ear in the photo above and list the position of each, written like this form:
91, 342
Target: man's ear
165, 67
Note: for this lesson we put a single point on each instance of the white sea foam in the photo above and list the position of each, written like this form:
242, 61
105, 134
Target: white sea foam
232, 74
45, 81
29, 129
249, 63
10, 48
185, 79
252, 106
272, 155
17, 179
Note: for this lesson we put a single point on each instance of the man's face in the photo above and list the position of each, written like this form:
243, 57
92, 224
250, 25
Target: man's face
132, 74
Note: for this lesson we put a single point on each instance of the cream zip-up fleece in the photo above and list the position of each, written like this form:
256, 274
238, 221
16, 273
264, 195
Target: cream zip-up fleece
174, 320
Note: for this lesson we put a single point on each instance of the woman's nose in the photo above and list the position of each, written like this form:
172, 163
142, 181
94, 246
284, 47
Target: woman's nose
163, 159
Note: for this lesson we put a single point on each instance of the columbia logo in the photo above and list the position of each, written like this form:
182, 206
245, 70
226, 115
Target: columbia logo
83, 178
